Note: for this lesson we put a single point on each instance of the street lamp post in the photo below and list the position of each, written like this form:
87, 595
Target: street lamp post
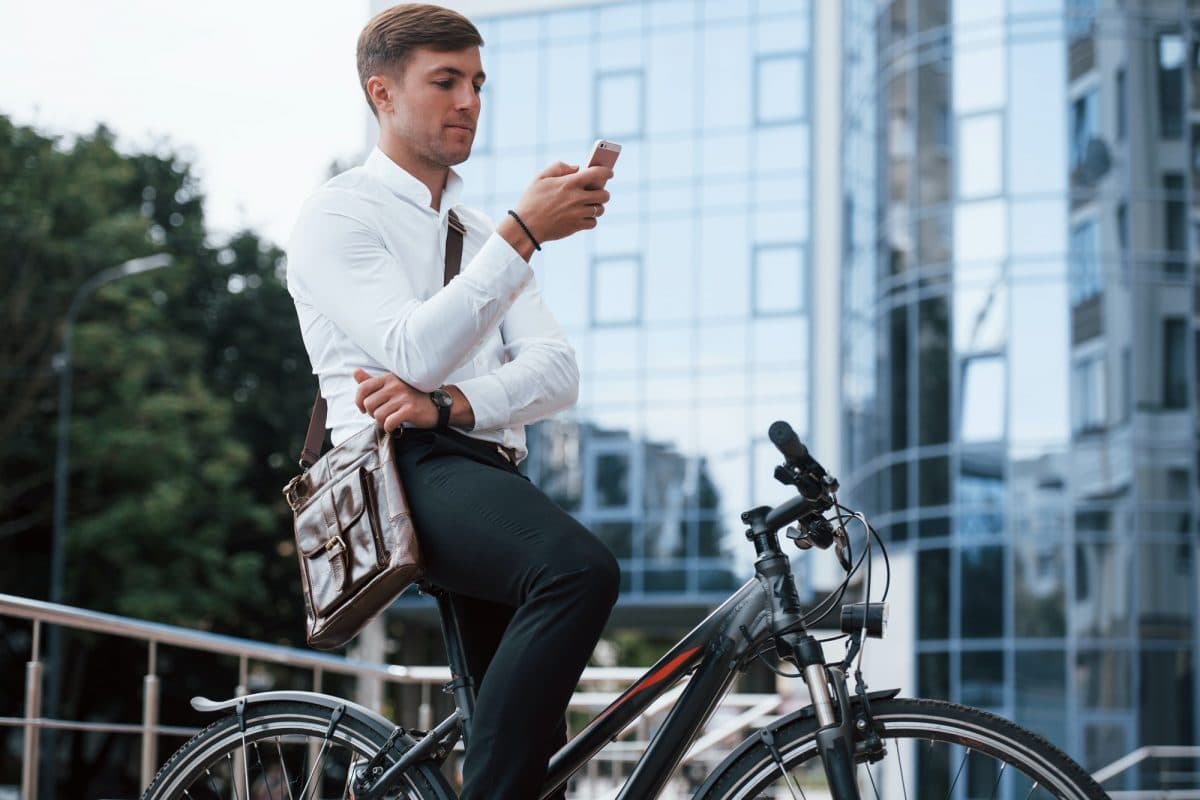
62, 363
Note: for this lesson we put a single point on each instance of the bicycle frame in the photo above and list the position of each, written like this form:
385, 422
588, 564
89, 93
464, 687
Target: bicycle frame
716, 649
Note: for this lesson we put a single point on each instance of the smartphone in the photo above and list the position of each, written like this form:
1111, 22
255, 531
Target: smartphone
604, 154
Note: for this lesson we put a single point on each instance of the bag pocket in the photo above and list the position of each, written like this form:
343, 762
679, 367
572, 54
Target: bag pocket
338, 541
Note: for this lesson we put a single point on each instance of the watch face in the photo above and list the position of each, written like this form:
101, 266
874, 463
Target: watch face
441, 398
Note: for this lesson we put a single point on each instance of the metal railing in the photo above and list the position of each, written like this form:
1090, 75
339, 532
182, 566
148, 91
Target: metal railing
1186, 781
738, 711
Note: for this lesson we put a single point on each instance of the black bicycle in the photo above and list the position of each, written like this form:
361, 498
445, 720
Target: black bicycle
303, 745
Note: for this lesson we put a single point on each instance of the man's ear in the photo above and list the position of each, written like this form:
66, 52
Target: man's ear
381, 89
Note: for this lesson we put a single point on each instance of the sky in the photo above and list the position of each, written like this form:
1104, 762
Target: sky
260, 95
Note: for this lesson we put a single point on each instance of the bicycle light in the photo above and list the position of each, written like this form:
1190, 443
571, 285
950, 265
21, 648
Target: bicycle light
876, 618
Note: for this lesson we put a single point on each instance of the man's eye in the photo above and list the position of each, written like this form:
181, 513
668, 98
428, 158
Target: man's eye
479, 89
444, 84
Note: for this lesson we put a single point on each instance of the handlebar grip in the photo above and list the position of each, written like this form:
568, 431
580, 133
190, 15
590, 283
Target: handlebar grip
785, 439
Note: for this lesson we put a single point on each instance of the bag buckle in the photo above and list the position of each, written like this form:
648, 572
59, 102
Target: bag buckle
294, 492
335, 546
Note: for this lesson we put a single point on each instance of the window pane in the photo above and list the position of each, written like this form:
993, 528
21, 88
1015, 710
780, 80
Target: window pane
982, 592
781, 88
1103, 587
1104, 679
726, 76
611, 480
1174, 380
1085, 271
1170, 85
616, 291
983, 399
979, 156
779, 279
1040, 679
933, 594
1040, 576
619, 104
983, 679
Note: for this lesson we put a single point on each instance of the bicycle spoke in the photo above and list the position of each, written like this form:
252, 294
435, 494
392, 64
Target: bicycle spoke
1032, 789
900, 764
283, 766
961, 764
315, 770
871, 778
996, 788
265, 772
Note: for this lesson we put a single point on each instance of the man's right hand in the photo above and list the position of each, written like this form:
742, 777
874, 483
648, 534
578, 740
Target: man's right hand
562, 200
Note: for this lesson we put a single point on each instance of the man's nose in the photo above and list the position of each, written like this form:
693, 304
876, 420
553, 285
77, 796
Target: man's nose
468, 99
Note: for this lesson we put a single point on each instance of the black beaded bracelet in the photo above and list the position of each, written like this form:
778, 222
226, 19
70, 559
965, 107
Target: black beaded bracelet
525, 228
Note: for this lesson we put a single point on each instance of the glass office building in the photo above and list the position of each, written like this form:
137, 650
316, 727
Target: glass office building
688, 306
1020, 324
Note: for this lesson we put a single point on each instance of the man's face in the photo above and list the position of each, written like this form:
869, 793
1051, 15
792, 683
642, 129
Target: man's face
436, 104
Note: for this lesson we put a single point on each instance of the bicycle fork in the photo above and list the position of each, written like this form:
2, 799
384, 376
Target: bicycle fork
844, 734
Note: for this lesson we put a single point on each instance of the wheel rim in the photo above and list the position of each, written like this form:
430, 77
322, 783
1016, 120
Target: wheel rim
281, 759
925, 759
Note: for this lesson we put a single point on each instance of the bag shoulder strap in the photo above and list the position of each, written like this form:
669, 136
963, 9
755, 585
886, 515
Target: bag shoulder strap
315, 438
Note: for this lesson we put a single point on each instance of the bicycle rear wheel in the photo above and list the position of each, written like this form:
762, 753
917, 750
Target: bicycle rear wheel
286, 751
934, 749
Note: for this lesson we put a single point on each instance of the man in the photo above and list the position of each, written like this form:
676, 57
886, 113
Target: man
391, 346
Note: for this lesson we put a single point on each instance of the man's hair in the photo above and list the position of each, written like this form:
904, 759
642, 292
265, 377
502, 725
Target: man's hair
387, 42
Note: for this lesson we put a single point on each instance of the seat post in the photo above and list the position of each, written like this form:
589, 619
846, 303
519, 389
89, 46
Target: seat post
461, 685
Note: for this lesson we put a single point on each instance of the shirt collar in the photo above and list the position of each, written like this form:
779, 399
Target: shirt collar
403, 184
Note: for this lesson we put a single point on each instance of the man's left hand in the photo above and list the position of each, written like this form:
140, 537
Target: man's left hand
392, 402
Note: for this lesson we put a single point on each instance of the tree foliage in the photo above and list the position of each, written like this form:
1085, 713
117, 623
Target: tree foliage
191, 394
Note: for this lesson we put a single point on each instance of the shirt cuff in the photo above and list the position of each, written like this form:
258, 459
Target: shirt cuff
488, 399
499, 269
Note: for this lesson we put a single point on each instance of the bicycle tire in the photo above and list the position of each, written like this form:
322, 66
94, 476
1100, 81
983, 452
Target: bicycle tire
970, 753
276, 754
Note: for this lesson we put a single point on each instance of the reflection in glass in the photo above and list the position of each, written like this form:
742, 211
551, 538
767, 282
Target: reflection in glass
1165, 584
779, 279
982, 592
616, 290
980, 492
1040, 680
1166, 702
933, 594
780, 88
1103, 587
1039, 582
1171, 55
1104, 679
980, 155
934, 672
983, 394
619, 104
982, 683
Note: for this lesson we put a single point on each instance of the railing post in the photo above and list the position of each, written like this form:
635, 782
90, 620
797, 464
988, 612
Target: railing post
33, 713
150, 698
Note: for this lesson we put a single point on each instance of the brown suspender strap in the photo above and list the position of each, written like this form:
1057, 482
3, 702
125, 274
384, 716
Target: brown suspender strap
454, 245
315, 437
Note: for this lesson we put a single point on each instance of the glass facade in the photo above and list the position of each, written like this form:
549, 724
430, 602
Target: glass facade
688, 305
1021, 312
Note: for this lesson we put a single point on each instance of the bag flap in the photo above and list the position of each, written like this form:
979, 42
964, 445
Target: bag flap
329, 514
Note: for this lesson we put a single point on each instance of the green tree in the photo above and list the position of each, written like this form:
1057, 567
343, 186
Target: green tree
191, 395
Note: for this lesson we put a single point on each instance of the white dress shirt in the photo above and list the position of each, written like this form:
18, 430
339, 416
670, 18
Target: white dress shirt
365, 264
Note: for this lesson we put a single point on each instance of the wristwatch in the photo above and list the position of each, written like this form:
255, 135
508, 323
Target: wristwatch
442, 401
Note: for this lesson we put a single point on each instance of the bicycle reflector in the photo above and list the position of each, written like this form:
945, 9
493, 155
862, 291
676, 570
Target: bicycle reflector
876, 618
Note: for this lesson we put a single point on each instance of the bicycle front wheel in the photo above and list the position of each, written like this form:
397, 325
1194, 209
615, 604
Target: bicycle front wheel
285, 751
934, 749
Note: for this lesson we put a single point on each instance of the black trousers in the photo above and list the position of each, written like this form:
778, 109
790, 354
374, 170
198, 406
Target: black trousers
533, 590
